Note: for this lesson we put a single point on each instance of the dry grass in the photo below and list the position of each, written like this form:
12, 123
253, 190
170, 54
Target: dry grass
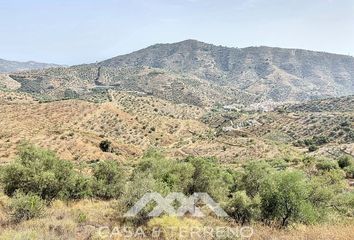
322, 232
82, 220
74, 129
78, 220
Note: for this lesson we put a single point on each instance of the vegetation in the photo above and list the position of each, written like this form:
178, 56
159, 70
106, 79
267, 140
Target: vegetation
38, 171
105, 146
243, 208
285, 199
259, 192
109, 180
345, 161
26, 206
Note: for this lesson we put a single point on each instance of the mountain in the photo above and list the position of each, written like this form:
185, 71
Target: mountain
277, 73
202, 74
13, 66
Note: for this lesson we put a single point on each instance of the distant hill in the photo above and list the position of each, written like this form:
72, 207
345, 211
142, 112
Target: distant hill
198, 73
342, 104
13, 66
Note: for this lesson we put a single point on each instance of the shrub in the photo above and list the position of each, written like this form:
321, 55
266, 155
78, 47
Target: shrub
37, 171
255, 174
242, 208
344, 203
327, 165
109, 180
309, 161
321, 140
324, 191
26, 206
279, 164
285, 199
208, 177
345, 161
140, 184
320, 195
313, 148
332, 179
70, 94
349, 171
308, 142
316, 141
79, 187
177, 176
105, 146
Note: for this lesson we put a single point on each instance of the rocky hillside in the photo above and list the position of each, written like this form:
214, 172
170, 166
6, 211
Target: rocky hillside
275, 73
203, 74
133, 124
13, 66
342, 104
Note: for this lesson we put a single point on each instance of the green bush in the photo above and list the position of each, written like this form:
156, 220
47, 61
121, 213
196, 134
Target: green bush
345, 161
326, 165
70, 94
344, 203
155, 173
333, 179
349, 171
26, 206
315, 141
177, 176
325, 191
105, 146
279, 164
313, 148
255, 174
140, 184
309, 161
109, 180
79, 187
242, 208
189, 176
210, 178
321, 140
285, 199
37, 171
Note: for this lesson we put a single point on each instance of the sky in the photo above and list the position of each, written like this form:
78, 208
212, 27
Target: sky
84, 31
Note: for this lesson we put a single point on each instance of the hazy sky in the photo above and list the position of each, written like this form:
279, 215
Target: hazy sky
83, 31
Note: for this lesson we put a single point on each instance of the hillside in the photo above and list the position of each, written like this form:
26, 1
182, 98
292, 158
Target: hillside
134, 123
342, 104
202, 74
13, 66
150, 138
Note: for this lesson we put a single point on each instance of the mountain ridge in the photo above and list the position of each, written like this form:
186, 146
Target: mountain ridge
179, 71
221, 46
7, 66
